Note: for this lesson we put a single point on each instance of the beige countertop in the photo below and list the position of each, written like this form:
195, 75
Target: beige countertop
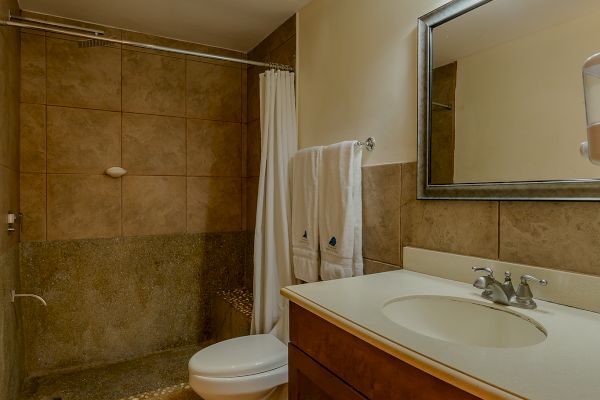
564, 366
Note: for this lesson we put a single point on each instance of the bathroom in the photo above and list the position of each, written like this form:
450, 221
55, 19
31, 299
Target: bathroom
133, 171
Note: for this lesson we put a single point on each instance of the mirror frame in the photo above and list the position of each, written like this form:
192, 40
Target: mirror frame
558, 190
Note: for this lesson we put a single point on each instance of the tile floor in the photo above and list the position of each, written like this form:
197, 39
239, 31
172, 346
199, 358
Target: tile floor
160, 376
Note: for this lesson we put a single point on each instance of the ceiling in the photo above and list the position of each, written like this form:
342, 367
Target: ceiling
501, 21
232, 24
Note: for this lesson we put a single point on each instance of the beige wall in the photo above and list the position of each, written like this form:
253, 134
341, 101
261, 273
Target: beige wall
528, 118
11, 355
357, 74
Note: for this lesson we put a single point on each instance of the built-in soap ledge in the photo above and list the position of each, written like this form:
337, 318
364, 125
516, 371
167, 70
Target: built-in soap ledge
566, 288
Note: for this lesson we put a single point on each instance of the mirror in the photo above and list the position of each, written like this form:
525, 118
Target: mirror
502, 112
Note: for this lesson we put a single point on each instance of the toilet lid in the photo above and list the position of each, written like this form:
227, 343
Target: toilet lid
242, 356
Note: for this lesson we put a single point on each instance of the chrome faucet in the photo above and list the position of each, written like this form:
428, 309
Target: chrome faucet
504, 293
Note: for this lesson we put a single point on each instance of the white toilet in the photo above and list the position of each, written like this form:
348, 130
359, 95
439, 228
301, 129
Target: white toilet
244, 368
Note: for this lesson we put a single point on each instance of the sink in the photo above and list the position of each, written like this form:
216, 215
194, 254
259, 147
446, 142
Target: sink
460, 320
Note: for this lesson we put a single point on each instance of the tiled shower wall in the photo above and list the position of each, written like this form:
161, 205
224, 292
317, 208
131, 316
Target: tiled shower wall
129, 266
11, 370
175, 123
558, 235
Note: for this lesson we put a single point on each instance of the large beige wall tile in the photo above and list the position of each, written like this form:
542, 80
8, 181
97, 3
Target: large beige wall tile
462, 227
285, 53
244, 150
254, 144
153, 84
251, 200
281, 35
381, 213
376, 267
214, 148
214, 204
83, 206
214, 92
33, 68
9, 101
561, 235
33, 138
33, 206
154, 205
9, 201
154, 145
89, 78
253, 94
9, 149
82, 141
245, 94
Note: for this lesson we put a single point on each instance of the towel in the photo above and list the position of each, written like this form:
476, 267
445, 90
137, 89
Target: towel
340, 211
305, 227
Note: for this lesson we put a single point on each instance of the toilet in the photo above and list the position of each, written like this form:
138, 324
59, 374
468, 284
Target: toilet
244, 368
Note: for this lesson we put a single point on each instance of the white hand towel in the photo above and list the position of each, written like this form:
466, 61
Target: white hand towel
305, 227
340, 211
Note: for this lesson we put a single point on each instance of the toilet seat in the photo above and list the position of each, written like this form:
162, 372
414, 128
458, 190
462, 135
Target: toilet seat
242, 356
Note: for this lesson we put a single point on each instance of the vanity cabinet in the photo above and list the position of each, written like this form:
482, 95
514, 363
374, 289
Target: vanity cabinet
326, 362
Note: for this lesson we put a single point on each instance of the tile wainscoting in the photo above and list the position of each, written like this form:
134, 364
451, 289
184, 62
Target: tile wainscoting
559, 235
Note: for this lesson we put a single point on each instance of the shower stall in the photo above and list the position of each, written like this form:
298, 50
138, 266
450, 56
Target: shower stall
139, 271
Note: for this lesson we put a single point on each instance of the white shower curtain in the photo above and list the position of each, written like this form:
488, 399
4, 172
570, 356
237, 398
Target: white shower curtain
272, 256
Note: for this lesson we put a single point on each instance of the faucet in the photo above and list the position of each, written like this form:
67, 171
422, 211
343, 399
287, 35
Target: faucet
504, 293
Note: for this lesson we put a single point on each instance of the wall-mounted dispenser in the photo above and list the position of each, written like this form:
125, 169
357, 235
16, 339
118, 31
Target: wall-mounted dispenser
12, 219
591, 88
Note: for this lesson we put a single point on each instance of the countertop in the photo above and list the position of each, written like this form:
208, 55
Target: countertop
564, 366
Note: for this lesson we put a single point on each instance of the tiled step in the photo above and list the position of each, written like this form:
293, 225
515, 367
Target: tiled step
232, 314
176, 392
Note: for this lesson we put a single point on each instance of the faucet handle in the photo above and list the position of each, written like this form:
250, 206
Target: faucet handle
524, 297
526, 278
489, 271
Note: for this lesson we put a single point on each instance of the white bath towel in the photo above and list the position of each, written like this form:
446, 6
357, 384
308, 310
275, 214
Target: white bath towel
340, 211
305, 226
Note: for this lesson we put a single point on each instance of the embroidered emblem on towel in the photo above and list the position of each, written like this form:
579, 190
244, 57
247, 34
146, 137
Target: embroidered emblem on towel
333, 242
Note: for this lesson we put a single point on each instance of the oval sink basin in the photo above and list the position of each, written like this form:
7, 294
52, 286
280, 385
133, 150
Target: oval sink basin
464, 321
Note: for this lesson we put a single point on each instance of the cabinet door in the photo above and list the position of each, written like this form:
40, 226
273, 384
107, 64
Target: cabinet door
309, 380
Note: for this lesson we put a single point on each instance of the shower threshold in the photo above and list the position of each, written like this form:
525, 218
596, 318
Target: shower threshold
160, 376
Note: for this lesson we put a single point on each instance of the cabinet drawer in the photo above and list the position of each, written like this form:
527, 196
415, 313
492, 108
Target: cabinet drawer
308, 380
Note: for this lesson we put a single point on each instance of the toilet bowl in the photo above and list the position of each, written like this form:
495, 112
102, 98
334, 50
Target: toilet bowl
244, 368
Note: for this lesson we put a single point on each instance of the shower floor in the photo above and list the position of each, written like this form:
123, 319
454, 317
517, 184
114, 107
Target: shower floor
160, 376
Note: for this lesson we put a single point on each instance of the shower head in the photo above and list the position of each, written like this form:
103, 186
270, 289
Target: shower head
83, 44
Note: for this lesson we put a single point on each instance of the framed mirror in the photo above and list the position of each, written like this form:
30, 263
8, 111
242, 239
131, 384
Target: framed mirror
502, 110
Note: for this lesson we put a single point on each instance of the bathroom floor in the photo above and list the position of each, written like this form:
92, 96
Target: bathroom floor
161, 376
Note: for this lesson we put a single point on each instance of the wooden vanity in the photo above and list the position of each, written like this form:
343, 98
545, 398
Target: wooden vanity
326, 362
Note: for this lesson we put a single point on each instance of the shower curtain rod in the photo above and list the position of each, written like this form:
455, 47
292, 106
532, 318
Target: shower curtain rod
99, 39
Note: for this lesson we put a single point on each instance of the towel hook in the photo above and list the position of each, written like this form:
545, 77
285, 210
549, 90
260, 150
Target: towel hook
27, 295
